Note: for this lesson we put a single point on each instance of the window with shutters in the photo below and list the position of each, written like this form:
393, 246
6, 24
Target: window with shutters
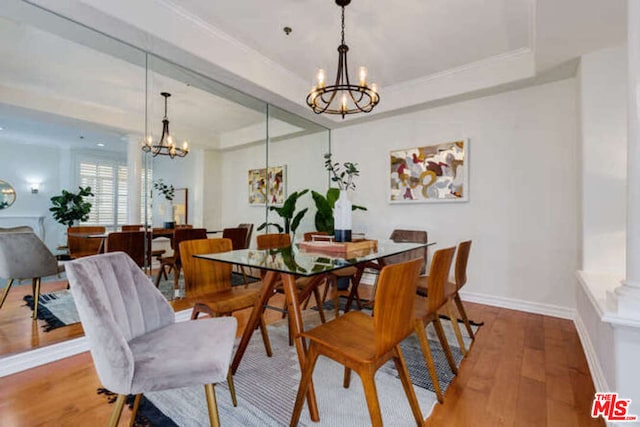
108, 181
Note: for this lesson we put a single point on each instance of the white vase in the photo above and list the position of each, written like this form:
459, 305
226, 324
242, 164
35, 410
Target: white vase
342, 218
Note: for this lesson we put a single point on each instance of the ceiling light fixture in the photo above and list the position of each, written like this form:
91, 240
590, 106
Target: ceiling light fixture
166, 146
360, 98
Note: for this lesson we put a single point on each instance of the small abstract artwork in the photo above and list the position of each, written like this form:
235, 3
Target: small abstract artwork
434, 173
267, 185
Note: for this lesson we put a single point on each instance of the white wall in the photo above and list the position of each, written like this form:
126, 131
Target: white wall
523, 179
27, 164
603, 98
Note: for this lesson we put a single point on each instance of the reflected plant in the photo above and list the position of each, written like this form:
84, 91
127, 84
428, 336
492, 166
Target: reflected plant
287, 212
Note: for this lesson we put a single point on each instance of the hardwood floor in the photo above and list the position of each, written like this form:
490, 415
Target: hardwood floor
523, 369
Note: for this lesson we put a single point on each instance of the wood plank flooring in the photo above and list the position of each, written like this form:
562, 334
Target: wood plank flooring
522, 370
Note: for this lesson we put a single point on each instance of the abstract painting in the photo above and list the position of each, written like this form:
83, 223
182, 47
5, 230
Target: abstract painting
434, 173
267, 184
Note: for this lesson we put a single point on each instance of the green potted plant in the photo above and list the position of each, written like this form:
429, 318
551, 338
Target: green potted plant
69, 208
287, 212
168, 192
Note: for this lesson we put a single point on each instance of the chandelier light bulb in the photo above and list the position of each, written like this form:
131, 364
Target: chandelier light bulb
343, 102
322, 75
185, 146
362, 76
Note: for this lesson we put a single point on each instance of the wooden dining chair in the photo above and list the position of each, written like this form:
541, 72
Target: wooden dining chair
304, 285
174, 262
238, 237
132, 227
208, 283
428, 310
363, 343
81, 246
129, 242
249, 228
451, 289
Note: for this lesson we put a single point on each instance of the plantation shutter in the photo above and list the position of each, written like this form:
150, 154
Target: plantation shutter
121, 206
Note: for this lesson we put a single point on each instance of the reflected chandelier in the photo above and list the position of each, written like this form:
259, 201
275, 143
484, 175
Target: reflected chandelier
360, 98
166, 146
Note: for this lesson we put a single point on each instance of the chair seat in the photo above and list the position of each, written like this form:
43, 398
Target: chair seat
82, 254
345, 272
351, 334
423, 290
227, 300
160, 356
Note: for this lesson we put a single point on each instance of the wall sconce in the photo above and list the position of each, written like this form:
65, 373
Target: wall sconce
35, 187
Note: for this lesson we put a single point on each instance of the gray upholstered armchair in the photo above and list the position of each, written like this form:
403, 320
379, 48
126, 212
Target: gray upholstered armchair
135, 343
24, 256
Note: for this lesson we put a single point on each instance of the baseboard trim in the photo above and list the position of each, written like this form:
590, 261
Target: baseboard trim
597, 375
15, 363
520, 305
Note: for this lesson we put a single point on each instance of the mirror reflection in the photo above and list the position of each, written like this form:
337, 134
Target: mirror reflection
77, 120
7, 194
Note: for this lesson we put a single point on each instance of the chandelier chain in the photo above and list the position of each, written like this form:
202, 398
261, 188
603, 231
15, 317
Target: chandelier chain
342, 24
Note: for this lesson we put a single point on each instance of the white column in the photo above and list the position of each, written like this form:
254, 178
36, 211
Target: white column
628, 295
134, 179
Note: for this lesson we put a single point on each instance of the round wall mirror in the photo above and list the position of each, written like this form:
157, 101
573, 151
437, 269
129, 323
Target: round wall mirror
7, 194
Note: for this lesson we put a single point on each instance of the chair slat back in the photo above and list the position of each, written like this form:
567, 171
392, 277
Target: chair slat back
237, 235
438, 277
410, 236
393, 312
132, 227
462, 257
130, 242
273, 241
183, 234
203, 276
83, 246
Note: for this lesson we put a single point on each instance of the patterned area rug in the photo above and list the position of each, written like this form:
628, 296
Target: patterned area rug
58, 309
266, 388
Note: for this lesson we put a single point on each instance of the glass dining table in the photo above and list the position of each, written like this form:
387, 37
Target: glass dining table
293, 262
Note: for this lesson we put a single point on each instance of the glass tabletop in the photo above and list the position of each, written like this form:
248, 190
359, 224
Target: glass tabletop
306, 261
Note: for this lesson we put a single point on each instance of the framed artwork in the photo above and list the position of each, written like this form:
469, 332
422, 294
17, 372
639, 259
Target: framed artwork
429, 174
267, 184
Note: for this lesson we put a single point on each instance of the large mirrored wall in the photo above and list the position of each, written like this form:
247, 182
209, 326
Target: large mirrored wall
75, 108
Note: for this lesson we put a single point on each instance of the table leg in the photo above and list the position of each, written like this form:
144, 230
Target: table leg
295, 319
266, 292
355, 282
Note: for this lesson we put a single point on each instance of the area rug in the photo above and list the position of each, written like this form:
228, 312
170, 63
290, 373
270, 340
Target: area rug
58, 309
266, 389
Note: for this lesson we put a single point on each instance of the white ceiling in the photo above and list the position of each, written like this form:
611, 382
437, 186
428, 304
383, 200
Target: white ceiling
418, 51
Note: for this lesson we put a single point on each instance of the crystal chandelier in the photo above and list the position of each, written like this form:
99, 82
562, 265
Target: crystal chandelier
360, 98
166, 146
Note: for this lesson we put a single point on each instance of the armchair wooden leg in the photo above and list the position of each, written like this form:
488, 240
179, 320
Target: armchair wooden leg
445, 344
371, 393
456, 327
401, 367
134, 411
117, 410
36, 296
463, 314
232, 388
428, 357
214, 419
6, 291
307, 374
265, 336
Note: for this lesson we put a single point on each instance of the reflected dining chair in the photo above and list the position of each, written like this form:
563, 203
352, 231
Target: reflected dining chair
363, 343
136, 345
428, 310
208, 283
249, 228
238, 237
173, 262
22, 256
451, 290
79, 245
129, 242
132, 227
